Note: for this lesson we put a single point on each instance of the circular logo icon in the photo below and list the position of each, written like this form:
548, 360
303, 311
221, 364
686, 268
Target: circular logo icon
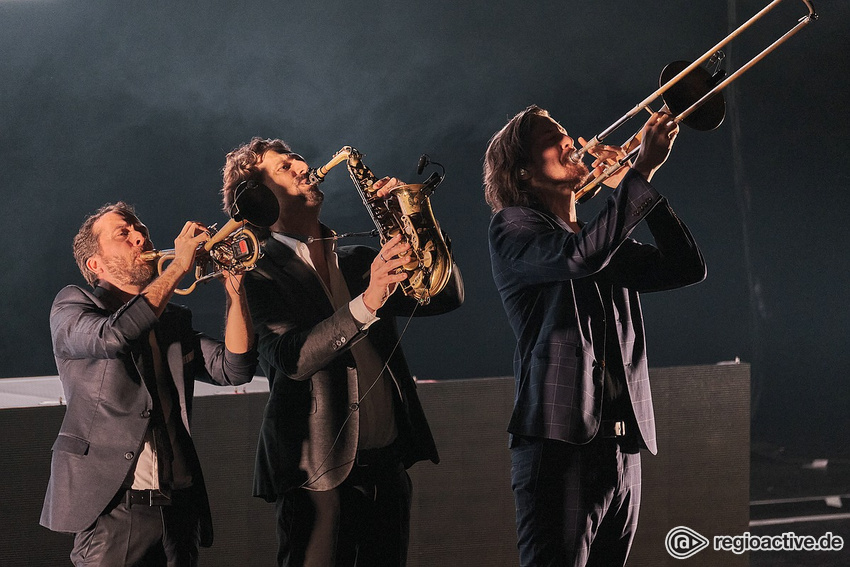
683, 542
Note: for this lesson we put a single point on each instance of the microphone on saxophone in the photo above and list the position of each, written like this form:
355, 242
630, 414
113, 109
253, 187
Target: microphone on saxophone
434, 179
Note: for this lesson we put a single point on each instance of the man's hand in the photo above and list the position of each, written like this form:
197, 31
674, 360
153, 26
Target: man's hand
186, 245
238, 329
658, 135
385, 186
383, 279
158, 292
232, 283
606, 156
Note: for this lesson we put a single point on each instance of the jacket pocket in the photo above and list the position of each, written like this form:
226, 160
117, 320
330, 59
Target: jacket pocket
69, 444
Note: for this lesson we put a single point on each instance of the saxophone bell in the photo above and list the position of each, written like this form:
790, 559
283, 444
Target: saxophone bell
406, 210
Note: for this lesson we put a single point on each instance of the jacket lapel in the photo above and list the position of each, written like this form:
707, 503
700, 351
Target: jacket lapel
283, 264
356, 275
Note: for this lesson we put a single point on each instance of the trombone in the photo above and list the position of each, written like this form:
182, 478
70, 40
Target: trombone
234, 248
691, 88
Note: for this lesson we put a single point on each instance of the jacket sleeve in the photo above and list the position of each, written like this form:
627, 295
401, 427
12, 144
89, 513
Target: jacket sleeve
222, 367
538, 250
287, 340
675, 260
81, 329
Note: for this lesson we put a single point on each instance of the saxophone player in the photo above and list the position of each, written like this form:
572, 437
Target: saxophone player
343, 420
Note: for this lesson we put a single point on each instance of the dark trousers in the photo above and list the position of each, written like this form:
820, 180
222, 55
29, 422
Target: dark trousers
139, 535
365, 521
576, 505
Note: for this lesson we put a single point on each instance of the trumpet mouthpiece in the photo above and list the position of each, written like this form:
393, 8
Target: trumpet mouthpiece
150, 255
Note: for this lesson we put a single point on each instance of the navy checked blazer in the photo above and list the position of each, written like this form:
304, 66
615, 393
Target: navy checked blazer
553, 284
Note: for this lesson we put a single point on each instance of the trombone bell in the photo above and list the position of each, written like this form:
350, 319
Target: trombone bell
691, 93
691, 88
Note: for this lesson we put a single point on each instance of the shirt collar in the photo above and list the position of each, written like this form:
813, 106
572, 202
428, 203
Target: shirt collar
293, 240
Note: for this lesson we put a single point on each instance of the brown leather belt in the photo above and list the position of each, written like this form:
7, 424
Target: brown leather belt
146, 498
383, 457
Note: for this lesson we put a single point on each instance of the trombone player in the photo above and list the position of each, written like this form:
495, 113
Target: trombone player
583, 408
125, 478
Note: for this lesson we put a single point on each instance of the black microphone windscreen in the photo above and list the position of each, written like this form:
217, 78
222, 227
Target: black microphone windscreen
423, 161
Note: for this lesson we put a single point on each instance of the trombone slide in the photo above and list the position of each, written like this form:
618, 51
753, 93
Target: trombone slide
584, 192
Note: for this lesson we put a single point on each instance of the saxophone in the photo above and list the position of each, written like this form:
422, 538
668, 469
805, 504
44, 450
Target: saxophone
406, 211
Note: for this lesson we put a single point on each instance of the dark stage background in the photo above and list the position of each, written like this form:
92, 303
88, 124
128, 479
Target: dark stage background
101, 101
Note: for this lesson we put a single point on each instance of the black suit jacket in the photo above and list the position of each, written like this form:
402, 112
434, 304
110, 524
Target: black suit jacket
553, 284
98, 344
310, 429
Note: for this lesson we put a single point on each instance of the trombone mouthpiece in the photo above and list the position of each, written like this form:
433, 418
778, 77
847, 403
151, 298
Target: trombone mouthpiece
575, 156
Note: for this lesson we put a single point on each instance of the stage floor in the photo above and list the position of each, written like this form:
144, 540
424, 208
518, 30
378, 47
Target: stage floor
798, 488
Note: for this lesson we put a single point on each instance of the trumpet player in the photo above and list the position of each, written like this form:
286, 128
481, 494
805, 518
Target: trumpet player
583, 408
125, 478
343, 420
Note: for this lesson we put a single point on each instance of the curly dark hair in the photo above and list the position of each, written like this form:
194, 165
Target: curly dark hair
241, 165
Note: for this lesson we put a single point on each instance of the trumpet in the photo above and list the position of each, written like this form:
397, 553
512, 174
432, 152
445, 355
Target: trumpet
234, 248
693, 96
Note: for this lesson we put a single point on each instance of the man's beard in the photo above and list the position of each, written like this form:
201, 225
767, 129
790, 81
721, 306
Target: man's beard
128, 273
579, 175
314, 196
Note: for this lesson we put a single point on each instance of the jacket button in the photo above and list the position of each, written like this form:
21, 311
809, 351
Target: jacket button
129, 455
146, 413
342, 340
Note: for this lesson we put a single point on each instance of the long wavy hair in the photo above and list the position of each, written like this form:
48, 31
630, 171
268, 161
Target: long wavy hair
507, 153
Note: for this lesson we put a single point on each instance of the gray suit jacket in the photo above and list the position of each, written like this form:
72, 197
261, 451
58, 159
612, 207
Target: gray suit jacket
309, 431
554, 285
97, 344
